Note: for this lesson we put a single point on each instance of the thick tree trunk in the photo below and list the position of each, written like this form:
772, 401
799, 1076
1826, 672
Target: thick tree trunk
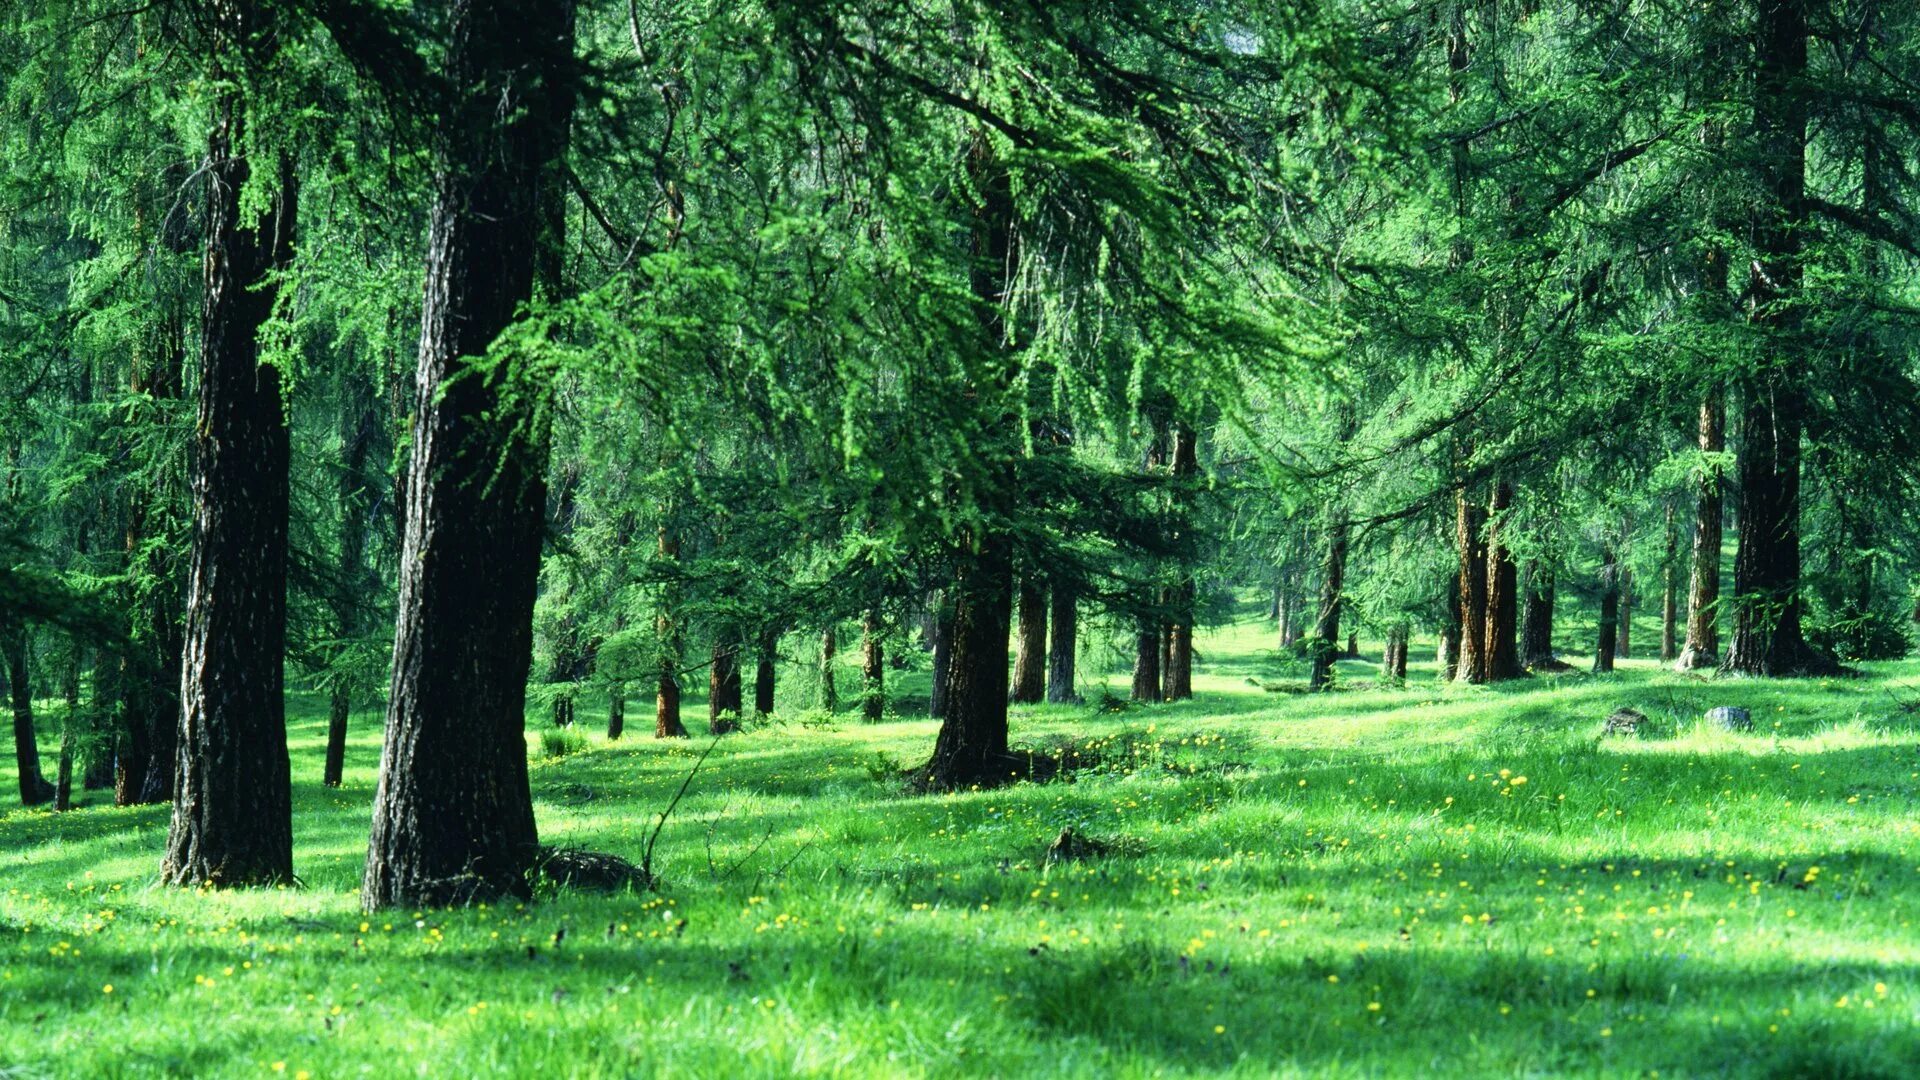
1536, 619
339, 705
1030, 644
829, 649
1146, 660
1470, 534
763, 676
453, 817
233, 801
1326, 626
666, 693
1063, 628
972, 745
723, 687
1503, 587
1177, 673
1702, 648
1766, 636
1669, 592
1609, 612
942, 654
34, 788
873, 671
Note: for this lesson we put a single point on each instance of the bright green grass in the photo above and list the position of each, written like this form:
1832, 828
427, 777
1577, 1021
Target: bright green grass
1353, 884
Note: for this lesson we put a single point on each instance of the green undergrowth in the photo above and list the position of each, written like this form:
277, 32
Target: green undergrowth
1372, 882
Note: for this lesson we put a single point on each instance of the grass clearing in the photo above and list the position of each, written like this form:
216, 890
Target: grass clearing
1451, 881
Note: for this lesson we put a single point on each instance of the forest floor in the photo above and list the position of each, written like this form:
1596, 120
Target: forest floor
1441, 881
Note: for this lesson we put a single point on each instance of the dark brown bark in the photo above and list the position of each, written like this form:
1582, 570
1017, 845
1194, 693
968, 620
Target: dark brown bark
339, 705
1177, 674
34, 788
1536, 618
666, 695
233, 802
873, 671
1623, 646
972, 745
1063, 632
1030, 644
1146, 660
1767, 636
1326, 627
1447, 652
616, 715
763, 676
453, 818
1470, 533
942, 654
1503, 600
1609, 612
1702, 648
723, 687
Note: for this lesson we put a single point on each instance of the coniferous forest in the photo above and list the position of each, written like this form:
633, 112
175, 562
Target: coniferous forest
960, 537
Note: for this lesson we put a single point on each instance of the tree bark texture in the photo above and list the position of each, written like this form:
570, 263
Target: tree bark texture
723, 687
1030, 644
1471, 535
1326, 626
1063, 633
1536, 618
873, 670
1609, 612
1503, 587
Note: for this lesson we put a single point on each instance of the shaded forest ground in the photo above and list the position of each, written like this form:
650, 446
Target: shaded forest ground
1371, 882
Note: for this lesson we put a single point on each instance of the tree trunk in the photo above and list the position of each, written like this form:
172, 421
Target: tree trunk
1503, 587
1470, 534
1397, 670
666, 695
1062, 644
1702, 648
453, 818
616, 715
338, 707
1536, 620
972, 745
723, 687
34, 788
1669, 590
1177, 673
1624, 646
149, 671
1766, 567
1609, 612
829, 648
1146, 660
1030, 644
942, 654
873, 671
763, 676
233, 801
1446, 653
1326, 627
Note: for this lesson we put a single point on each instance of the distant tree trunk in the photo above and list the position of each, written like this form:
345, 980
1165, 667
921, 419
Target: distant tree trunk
763, 675
1146, 660
873, 670
453, 817
1276, 603
972, 745
1609, 611
1177, 674
1352, 651
1624, 646
1283, 615
666, 695
1767, 636
1702, 648
616, 715
723, 687
1669, 590
233, 801
339, 705
1326, 626
829, 648
1447, 653
1536, 620
1030, 644
942, 654
1503, 587
1470, 534
34, 788
70, 689
1062, 644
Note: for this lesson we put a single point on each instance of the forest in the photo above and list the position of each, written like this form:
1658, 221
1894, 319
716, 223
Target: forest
1161, 537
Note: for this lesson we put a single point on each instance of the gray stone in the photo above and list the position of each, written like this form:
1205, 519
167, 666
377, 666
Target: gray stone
1730, 718
1624, 722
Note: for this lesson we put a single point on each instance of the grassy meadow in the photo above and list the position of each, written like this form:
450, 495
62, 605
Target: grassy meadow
1375, 882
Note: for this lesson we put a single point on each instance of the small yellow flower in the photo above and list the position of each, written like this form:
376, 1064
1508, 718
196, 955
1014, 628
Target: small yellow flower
1219, 1029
